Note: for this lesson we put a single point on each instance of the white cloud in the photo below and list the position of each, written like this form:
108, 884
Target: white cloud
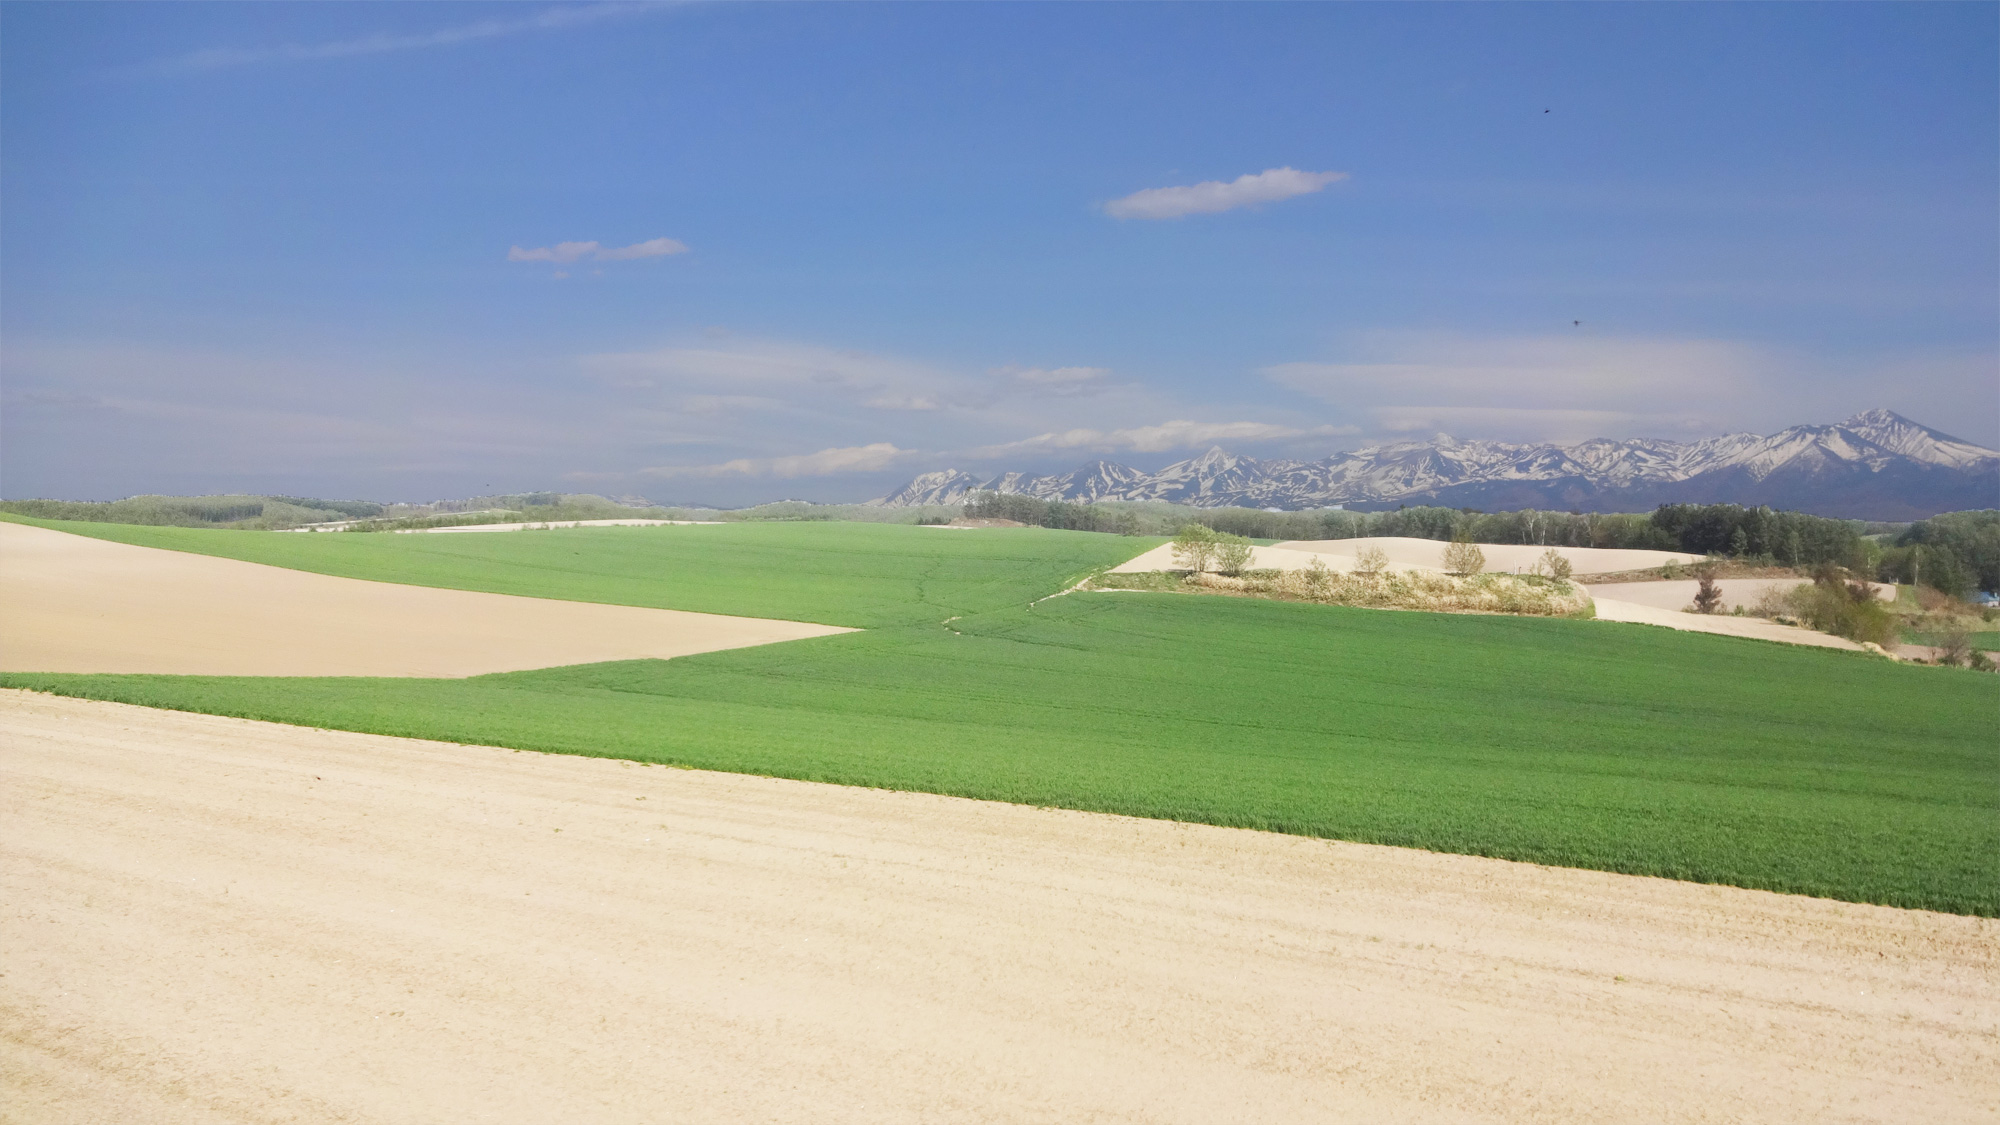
1156, 439
776, 364
1210, 196
651, 248
551, 19
825, 463
904, 402
566, 252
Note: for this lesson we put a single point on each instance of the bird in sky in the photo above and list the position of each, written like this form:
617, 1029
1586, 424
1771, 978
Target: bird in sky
1578, 323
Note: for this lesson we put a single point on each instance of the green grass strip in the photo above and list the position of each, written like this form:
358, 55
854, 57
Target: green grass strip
1581, 744
855, 574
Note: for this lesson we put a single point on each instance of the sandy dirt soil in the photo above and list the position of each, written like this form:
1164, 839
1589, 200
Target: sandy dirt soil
1610, 609
1261, 558
1499, 556
72, 604
1735, 591
213, 920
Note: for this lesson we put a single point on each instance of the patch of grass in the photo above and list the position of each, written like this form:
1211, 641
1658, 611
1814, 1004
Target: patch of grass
854, 574
1572, 743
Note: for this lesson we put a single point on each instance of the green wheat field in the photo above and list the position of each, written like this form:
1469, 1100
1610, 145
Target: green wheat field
1575, 743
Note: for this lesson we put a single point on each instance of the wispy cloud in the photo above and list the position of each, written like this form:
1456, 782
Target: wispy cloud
1156, 439
550, 19
566, 252
1556, 387
730, 365
827, 462
1054, 376
1210, 196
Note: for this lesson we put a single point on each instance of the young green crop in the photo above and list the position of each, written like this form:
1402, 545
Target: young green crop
855, 574
1580, 744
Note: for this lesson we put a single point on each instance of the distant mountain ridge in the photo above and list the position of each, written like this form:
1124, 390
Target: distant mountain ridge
1876, 465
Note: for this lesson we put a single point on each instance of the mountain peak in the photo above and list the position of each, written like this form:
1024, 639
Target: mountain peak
1869, 419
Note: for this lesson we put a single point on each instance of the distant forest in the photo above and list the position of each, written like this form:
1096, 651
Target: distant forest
1957, 552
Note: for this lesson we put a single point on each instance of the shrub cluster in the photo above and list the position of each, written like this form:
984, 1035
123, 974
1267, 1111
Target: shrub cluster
1196, 548
1411, 589
1530, 595
1833, 603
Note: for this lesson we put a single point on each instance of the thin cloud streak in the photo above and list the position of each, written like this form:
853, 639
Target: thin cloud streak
565, 252
551, 19
1156, 439
1211, 196
827, 462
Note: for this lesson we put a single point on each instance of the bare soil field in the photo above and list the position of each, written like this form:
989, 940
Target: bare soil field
1161, 558
74, 604
1405, 552
214, 920
1423, 555
1735, 591
1757, 628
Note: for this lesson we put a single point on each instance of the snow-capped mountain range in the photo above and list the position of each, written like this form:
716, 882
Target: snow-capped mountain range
1875, 465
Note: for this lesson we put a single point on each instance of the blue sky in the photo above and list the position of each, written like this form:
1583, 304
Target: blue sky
267, 247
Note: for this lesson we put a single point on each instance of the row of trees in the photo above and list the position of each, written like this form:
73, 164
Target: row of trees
1784, 538
1060, 514
1957, 553
257, 512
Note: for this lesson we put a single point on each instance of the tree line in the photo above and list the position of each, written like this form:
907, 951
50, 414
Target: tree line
1956, 553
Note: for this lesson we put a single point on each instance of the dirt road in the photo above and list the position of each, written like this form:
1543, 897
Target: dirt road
213, 920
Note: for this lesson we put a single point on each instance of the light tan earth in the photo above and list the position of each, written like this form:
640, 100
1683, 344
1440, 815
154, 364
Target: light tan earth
213, 920
1406, 552
1756, 628
1161, 558
1644, 603
74, 604
1417, 554
1735, 591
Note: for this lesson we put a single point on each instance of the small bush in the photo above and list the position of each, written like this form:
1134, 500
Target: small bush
1707, 595
1552, 564
1954, 648
1194, 547
1371, 561
1232, 553
1316, 580
1464, 559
